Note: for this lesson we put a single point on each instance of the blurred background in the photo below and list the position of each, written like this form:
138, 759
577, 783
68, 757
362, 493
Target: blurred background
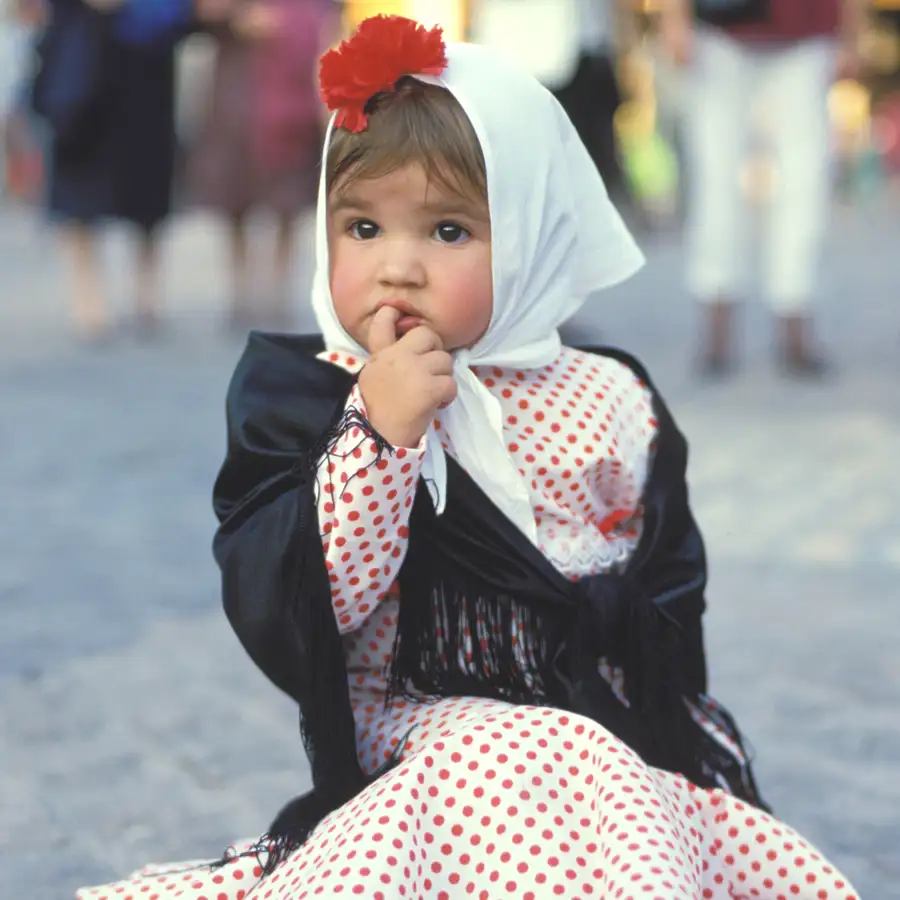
159, 162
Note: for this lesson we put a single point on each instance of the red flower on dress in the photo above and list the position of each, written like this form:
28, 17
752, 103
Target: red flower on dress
383, 50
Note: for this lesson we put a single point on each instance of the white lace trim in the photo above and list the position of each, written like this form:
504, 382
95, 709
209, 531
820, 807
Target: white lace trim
588, 555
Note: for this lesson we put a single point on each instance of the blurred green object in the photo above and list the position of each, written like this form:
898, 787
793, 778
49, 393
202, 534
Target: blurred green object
651, 168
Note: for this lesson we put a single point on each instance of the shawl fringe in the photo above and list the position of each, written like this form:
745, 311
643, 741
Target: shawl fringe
298, 819
470, 642
486, 614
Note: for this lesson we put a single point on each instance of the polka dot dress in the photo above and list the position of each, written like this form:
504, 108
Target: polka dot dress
493, 800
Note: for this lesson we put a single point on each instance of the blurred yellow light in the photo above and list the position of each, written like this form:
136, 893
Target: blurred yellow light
452, 15
850, 105
357, 10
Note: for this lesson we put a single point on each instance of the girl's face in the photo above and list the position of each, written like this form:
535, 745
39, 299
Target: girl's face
404, 241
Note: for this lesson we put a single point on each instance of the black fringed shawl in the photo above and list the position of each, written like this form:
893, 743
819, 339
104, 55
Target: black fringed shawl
284, 408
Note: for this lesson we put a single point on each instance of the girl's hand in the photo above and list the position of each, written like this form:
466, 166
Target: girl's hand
406, 381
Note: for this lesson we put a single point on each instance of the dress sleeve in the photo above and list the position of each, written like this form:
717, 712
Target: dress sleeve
365, 493
283, 407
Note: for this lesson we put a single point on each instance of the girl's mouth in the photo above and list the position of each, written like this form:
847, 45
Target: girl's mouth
405, 324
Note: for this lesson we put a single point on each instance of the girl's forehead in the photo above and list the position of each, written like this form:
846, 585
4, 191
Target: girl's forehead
411, 183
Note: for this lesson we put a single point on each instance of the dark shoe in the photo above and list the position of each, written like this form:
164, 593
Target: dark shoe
807, 366
148, 326
716, 357
716, 368
798, 358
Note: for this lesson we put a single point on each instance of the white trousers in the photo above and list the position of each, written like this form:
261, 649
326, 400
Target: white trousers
728, 78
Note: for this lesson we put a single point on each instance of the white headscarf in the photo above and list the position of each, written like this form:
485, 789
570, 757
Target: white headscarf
556, 239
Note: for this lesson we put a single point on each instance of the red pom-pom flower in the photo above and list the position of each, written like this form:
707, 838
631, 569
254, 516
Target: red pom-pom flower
383, 50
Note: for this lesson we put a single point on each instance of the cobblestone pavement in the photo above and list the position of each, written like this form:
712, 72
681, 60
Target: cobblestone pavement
132, 727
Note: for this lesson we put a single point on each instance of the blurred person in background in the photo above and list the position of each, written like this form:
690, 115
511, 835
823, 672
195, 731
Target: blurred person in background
21, 146
259, 147
106, 87
592, 96
790, 52
570, 46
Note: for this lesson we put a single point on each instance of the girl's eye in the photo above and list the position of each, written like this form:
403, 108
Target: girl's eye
451, 233
364, 229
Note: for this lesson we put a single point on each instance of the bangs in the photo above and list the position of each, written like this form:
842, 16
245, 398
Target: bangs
420, 124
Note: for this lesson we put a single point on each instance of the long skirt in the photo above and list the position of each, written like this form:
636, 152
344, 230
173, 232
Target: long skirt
495, 801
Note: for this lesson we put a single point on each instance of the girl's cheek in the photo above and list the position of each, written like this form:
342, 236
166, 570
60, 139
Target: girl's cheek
348, 291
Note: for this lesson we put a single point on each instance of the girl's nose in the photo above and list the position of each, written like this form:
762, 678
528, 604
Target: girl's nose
401, 264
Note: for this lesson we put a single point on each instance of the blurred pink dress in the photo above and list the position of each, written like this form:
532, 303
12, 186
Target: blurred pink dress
260, 145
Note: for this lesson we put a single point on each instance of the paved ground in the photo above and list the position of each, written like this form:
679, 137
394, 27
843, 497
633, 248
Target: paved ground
133, 728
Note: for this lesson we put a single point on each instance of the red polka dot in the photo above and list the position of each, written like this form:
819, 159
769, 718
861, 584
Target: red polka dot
490, 801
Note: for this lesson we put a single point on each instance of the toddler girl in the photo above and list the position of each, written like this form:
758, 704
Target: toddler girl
465, 550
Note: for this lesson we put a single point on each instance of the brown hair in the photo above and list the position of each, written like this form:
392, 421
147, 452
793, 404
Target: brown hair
416, 123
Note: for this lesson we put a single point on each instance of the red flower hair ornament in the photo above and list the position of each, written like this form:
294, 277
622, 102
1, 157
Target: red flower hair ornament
383, 50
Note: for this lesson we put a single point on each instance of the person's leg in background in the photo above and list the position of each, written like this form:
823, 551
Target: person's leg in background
285, 251
722, 82
590, 100
241, 311
796, 81
146, 283
89, 309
